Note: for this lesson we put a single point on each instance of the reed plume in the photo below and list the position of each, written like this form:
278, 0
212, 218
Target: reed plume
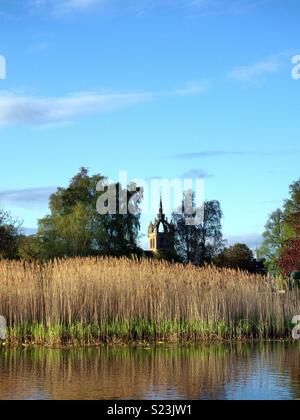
95, 300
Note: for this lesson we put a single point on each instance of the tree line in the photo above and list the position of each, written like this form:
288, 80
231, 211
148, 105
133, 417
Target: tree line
75, 228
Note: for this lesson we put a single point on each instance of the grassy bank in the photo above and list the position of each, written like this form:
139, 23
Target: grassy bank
92, 301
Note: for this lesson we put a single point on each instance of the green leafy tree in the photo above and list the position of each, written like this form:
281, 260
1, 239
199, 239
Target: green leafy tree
277, 232
238, 257
29, 248
282, 227
75, 227
170, 256
66, 234
292, 209
198, 243
10, 233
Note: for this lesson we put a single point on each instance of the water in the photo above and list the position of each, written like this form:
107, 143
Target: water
244, 371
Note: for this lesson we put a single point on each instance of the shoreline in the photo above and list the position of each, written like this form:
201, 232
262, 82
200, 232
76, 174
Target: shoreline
140, 334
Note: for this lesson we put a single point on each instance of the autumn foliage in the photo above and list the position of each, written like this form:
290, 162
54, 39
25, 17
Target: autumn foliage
290, 257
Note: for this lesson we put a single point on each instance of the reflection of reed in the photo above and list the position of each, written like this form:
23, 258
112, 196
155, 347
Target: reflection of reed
185, 372
287, 360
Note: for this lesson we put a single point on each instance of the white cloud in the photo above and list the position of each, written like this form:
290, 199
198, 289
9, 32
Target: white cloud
16, 109
196, 174
192, 88
64, 7
217, 7
253, 240
27, 198
251, 72
29, 231
60, 8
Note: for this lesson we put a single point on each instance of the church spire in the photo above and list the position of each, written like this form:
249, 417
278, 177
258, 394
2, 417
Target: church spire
161, 234
161, 211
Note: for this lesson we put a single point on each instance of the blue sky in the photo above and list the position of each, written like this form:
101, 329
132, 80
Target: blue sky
157, 88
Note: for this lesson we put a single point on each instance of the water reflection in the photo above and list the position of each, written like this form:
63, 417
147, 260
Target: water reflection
192, 372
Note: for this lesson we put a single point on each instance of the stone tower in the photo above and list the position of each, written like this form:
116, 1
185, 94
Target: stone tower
161, 233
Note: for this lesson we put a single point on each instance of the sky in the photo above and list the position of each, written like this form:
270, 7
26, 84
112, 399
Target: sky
158, 88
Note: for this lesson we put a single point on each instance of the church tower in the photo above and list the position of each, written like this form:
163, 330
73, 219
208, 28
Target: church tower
161, 233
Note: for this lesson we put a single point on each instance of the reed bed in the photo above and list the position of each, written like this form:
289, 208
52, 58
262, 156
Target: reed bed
106, 300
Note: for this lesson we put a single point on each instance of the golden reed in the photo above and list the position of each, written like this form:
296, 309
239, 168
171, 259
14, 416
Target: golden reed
93, 300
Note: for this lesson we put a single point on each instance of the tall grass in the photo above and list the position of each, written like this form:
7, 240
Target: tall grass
88, 301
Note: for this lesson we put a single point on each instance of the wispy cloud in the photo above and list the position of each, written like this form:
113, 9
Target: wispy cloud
27, 198
196, 174
192, 88
60, 8
210, 154
29, 231
16, 109
231, 153
253, 240
217, 7
66, 7
269, 65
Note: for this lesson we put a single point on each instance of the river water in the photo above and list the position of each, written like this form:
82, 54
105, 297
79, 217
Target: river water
231, 371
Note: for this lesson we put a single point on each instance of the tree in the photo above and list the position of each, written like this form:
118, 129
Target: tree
66, 234
119, 230
238, 257
277, 232
282, 229
10, 231
292, 209
29, 248
198, 243
75, 228
170, 256
289, 260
